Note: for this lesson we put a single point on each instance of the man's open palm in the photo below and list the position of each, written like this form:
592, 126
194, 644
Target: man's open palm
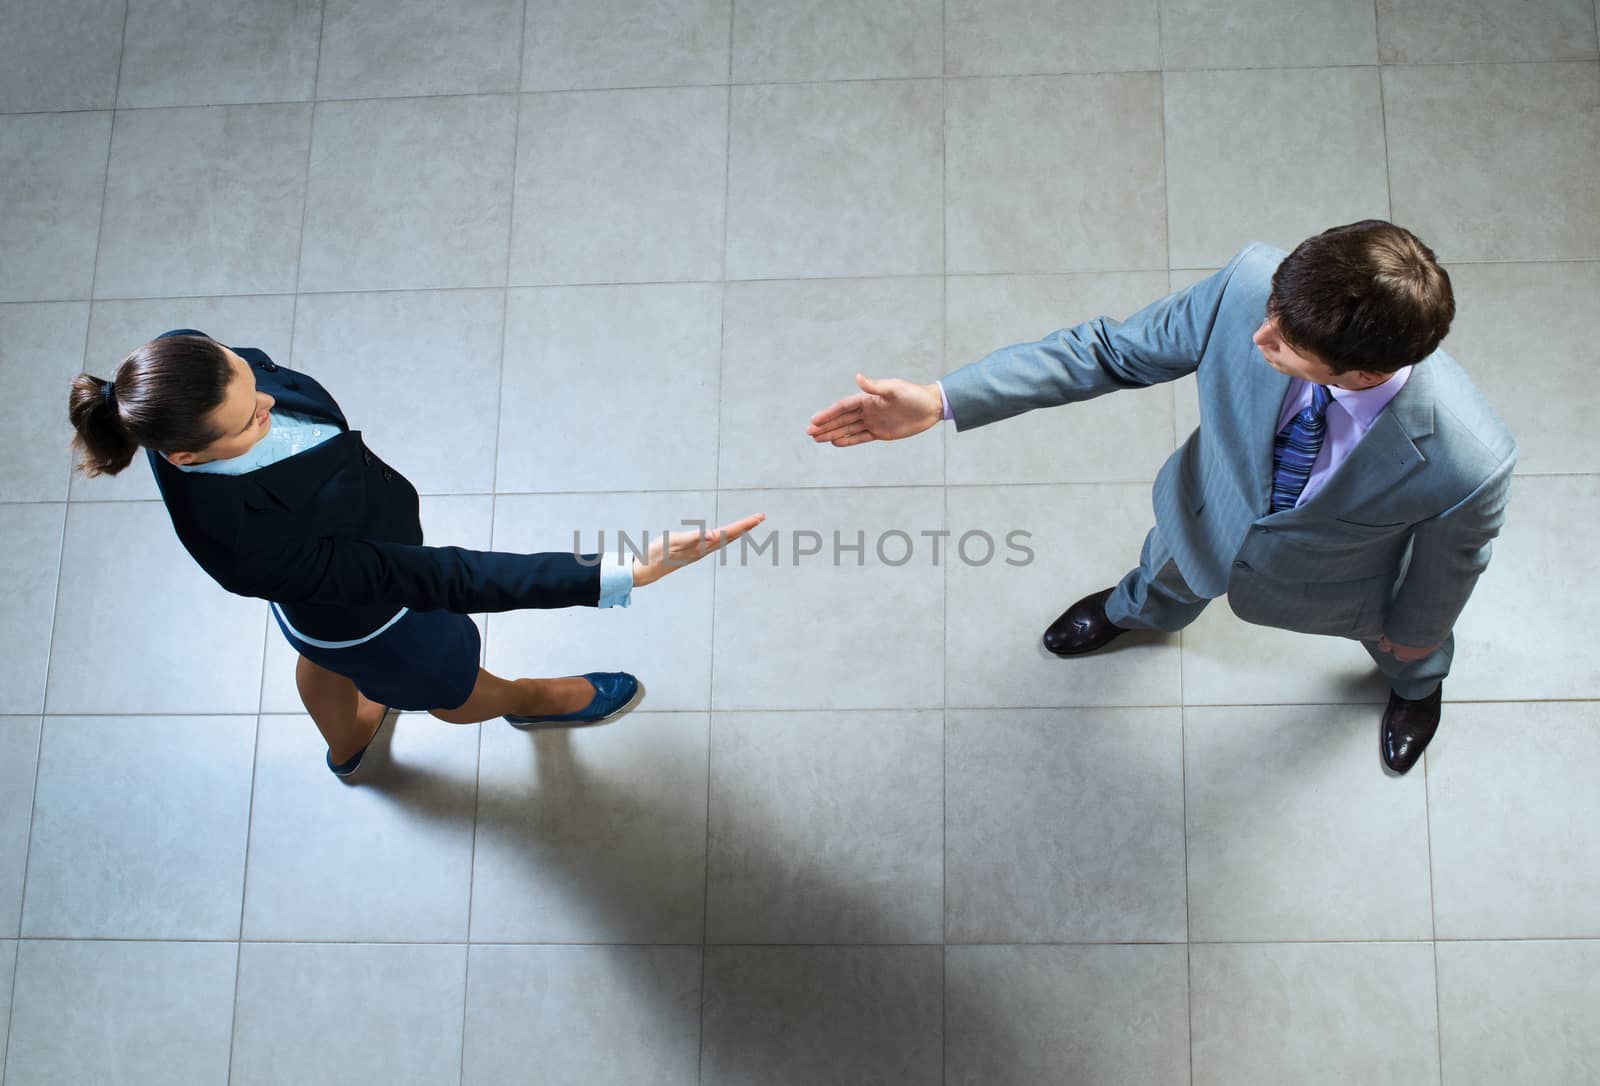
882, 411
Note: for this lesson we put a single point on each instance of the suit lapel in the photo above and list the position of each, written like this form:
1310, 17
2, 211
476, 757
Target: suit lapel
1387, 453
1263, 401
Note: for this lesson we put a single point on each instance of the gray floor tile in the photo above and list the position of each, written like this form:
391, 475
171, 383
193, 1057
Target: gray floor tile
19, 755
1101, 1014
132, 613
593, 835
166, 805
134, 1013
588, 1016
409, 194
826, 828
1018, 37
329, 861
231, 52
312, 1014
1494, 302
55, 171
1313, 1013
447, 521
118, 327
1294, 831
40, 351
1509, 857
578, 44
1064, 825
1528, 587
786, 1016
1227, 661
231, 228
586, 211
1491, 162
1023, 196
1324, 164
393, 356
1264, 34
1121, 438
1079, 540
59, 54
610, 388
377, 48
760, 663
30, 558
1432, 31
835, 179
777, 41
1519, 1012
791, 348
663, 636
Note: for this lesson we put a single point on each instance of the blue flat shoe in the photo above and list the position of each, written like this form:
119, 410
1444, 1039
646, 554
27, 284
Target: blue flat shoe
345, 770
614, 693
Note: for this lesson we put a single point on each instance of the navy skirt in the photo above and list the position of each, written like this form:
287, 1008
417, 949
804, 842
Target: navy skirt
419, 660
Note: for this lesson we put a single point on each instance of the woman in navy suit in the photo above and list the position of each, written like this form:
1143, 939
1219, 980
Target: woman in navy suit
276, 497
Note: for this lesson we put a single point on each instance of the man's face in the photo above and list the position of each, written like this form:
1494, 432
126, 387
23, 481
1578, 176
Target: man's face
1285, 359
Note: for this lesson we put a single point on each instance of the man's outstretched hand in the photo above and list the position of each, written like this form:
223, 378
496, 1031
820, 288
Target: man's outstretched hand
882, 411
678, 549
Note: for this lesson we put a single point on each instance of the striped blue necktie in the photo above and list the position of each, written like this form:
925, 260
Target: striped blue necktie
1296, 448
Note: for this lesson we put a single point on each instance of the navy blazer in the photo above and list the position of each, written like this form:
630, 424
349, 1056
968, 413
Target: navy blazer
332, 535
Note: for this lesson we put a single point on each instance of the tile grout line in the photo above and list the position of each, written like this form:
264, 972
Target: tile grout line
944, 575
972, 77
61, 560
1383, 111
494, 508
1433, 920
711, 672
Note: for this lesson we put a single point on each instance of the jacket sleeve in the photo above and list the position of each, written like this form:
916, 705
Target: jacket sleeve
1448, 553
340, 570
1162, 342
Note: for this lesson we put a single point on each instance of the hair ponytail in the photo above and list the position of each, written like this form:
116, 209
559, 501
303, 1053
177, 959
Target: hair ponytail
103, 445
160, 397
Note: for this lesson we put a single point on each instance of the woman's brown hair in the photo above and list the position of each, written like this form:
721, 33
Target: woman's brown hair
1367, 296
159, 398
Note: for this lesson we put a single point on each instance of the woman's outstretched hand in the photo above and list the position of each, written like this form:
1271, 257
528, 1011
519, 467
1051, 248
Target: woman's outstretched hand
882, 411
678, 549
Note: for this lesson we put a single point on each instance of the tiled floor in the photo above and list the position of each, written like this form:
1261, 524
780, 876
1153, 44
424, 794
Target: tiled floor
582, 264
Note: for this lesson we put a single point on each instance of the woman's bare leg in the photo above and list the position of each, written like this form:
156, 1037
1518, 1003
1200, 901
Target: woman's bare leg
347, 720
493, 696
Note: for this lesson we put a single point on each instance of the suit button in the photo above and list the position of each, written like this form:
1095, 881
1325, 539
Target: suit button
1265, 530
270, 367
366, 454
388, 476
1241, 565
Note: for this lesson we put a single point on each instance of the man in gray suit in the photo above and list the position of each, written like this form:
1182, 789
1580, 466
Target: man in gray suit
1346, 477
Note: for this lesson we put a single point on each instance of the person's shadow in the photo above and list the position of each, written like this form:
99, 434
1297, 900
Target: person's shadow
769, 1015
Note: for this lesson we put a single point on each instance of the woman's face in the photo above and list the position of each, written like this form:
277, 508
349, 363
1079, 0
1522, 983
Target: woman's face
241, 419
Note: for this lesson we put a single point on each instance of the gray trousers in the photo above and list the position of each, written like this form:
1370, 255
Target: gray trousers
1154, 596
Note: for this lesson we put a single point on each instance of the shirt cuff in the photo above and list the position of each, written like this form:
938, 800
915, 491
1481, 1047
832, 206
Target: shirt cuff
944, 402
616, 581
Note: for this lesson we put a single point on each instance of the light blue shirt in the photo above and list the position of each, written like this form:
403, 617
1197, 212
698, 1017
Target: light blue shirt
292, 434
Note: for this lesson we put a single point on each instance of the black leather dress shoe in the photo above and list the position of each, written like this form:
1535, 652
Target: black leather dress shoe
1407, 727
1083, 627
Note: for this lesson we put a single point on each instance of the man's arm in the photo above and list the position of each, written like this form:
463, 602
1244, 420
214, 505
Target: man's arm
1162, 342
1448, 553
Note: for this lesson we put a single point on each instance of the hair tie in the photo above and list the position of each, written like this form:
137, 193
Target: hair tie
108, 393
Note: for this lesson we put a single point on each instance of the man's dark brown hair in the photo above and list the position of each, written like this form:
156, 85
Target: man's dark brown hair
1367, 296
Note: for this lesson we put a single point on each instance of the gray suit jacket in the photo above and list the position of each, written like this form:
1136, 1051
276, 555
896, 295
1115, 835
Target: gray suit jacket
1394, 541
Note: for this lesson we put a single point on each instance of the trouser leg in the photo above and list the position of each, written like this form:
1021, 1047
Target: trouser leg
1154, 595
1419, 678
